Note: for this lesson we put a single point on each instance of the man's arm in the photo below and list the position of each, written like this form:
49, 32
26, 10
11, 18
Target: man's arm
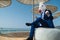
51, 17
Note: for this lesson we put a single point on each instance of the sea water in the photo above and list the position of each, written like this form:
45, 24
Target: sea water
11, 30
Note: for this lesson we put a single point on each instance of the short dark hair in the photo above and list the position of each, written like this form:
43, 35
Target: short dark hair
49, 11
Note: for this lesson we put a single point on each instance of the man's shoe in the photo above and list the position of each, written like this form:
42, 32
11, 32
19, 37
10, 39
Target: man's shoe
28, 24
29, 39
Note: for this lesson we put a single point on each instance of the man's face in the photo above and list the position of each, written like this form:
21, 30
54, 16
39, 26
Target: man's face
47, 13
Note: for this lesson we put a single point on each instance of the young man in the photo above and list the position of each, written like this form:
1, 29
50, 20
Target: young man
46, 20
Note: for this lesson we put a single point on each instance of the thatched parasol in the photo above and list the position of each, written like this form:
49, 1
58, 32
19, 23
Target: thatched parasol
31, 1
57, 14
50, 7
54, 17
4, 3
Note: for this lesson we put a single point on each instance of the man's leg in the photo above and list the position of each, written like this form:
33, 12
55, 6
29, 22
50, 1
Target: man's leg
43, 22
34, 23
39, 20
31, 33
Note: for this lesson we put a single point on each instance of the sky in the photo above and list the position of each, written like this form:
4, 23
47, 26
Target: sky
17, 14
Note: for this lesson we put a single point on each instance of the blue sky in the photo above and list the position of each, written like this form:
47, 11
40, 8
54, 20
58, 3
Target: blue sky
17, 14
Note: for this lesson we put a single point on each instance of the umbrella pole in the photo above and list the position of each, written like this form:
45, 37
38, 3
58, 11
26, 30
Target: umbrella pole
33, 14
33, 9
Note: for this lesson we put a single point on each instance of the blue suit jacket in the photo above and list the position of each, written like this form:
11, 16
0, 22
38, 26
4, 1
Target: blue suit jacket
49, 19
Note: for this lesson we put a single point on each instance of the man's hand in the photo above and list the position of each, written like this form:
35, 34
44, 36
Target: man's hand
40, 11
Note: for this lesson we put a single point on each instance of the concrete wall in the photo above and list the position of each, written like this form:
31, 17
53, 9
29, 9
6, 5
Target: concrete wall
47, 34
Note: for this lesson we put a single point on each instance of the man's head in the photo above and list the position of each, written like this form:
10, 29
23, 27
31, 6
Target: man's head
47, 12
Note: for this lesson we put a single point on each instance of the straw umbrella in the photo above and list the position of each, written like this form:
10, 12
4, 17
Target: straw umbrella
31, 2
50, 7
57, 14
4, 3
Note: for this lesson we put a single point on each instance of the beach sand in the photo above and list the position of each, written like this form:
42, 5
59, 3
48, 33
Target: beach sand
14, 36
7, 38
